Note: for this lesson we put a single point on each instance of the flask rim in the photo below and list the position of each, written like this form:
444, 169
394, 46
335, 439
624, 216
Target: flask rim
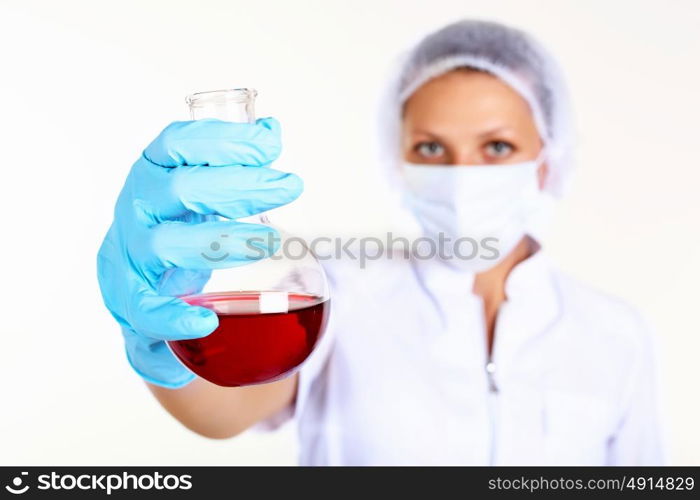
238, 95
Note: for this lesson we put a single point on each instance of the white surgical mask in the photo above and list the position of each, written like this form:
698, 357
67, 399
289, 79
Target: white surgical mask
484, 210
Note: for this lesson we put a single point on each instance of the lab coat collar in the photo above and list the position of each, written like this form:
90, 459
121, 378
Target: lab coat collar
532, 278
531, 307
531, 293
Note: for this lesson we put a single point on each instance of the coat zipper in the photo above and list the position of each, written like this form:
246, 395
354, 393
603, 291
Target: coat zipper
491, 402
492, 390
490, 375
492, 394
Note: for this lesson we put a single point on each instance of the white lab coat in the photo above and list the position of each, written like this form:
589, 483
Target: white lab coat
400, 376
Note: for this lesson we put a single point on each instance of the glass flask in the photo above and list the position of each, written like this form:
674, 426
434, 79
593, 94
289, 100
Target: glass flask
272, 312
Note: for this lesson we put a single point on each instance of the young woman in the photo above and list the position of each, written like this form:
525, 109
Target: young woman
498, 358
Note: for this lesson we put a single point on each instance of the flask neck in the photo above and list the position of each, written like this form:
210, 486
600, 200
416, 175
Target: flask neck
232, 105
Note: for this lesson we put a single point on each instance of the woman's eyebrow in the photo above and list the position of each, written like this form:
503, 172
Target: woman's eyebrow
487, 133
425, 132
495, 131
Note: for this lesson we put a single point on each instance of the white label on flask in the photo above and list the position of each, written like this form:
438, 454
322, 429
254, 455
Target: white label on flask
274, 302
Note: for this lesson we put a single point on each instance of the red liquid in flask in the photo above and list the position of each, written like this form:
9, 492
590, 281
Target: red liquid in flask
250, 347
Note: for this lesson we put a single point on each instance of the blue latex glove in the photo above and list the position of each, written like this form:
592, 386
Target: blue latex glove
165, 218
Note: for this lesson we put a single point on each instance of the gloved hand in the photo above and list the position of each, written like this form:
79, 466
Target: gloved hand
165, 218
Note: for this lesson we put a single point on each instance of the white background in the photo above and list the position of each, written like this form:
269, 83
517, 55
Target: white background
86, 85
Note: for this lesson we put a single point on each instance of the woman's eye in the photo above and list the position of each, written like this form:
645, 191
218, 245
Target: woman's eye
499, 149
430, 149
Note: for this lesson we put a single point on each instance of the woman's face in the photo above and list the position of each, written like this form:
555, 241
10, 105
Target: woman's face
467, 117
